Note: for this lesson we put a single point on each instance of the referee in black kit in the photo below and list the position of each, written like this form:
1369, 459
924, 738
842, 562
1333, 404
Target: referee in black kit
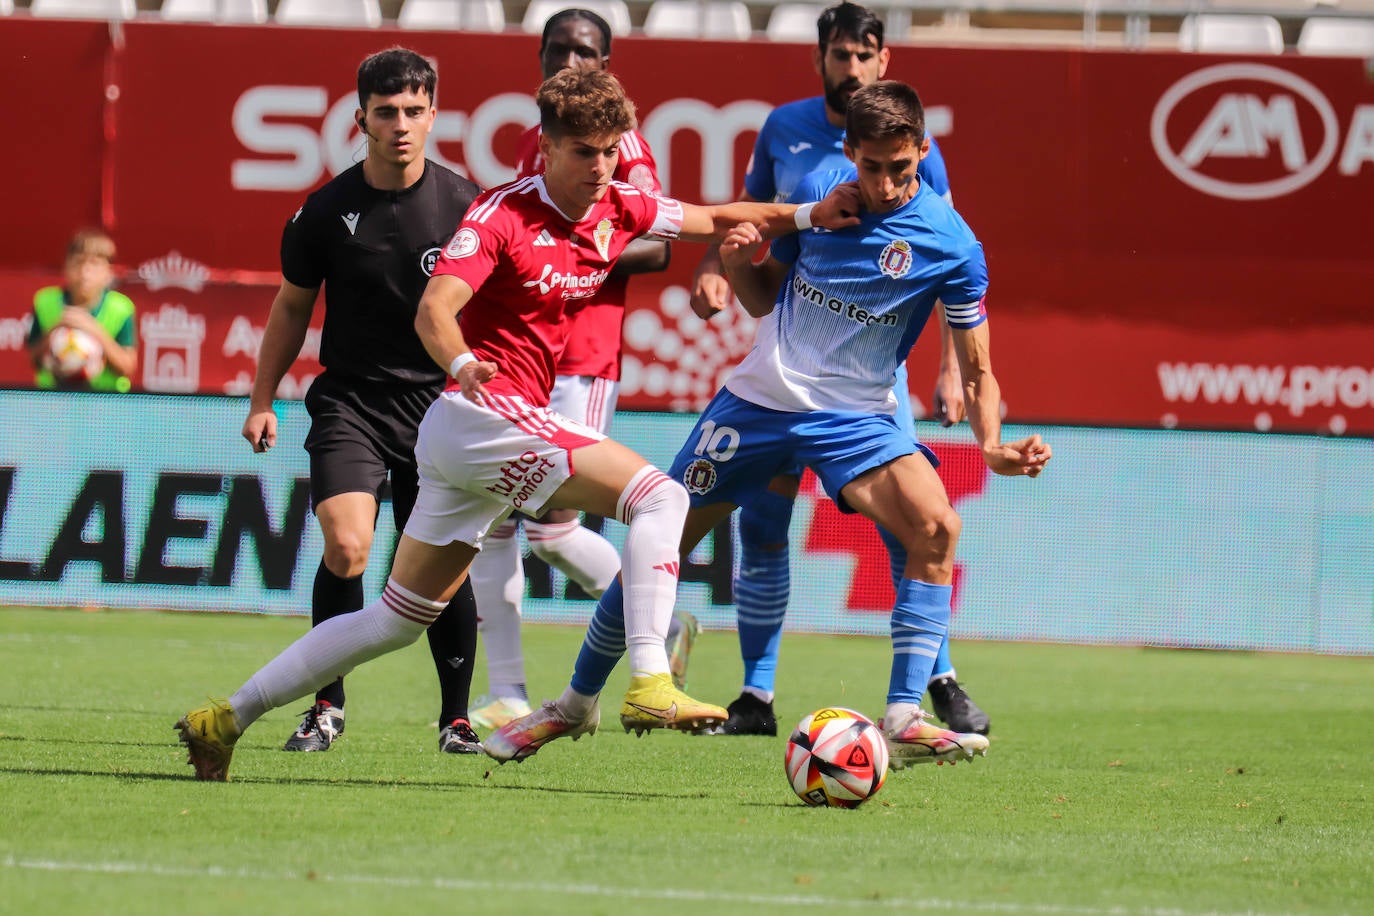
371, 236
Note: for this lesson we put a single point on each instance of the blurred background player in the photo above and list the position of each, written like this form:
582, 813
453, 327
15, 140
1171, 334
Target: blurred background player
798, 138
85, 303
489, 445
371, 237
586, 389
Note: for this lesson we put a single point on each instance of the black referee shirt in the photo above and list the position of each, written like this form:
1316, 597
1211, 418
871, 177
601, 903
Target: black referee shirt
374, 251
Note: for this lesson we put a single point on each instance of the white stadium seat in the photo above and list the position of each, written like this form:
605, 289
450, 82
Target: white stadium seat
214, 10
85, 9
615, 12
1337, 37
329, 12
698, 19
456, 15
1228, 33
794, 22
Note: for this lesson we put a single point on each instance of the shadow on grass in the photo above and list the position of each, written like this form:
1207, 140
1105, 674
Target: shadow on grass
125, 775
85, 709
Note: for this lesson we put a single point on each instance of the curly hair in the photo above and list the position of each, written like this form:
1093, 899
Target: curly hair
584, 103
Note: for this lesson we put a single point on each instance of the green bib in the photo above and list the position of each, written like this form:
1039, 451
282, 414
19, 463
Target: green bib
113, 311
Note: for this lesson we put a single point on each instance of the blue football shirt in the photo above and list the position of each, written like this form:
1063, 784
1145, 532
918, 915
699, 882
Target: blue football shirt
855, 300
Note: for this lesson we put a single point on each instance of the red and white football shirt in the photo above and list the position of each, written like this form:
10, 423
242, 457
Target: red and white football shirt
594, 340
530, 267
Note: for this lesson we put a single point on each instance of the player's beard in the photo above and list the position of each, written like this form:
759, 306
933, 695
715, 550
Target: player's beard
837, 95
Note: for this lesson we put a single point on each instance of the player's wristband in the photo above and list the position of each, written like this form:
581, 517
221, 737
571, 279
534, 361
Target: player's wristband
803, 216
459, 361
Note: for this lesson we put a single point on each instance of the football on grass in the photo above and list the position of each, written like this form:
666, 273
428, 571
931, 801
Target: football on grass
836, 757
74, 355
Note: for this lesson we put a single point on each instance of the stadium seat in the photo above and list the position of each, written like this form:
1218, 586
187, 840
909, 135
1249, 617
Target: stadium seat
6, 7
1227, 33
615, 12
329, 12
1337, 37
457, 15
698, 19
793, 22
84, 9
214, 10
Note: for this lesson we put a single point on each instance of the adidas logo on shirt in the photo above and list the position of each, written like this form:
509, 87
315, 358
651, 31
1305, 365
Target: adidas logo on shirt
544, 240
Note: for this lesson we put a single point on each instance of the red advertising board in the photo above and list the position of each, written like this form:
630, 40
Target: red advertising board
53, 180
195, 334
1173, 239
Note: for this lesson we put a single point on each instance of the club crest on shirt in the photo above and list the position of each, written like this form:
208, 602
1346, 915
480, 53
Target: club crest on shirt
700, 477
895, 260
463, 243
602, 236
429, 259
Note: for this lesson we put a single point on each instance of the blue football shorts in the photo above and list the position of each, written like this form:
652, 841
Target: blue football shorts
736, 447
905, 421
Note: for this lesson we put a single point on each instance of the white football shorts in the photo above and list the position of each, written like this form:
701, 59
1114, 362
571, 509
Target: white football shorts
478, 464
585, 398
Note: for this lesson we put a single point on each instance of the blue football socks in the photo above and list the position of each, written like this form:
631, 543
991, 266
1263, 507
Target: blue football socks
920, 622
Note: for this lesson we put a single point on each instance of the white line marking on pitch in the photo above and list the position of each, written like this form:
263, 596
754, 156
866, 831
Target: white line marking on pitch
596, 890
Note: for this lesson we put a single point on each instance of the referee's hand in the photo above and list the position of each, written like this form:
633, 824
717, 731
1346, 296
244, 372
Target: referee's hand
260, 429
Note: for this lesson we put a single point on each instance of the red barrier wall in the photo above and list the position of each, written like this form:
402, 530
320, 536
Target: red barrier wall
1172, 239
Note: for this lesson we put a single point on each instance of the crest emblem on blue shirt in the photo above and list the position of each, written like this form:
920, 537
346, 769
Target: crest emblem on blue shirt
895, 260
700, 477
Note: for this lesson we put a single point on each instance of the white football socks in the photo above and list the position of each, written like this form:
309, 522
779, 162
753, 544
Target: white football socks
654, 507
579, 553
498, 583
333, 649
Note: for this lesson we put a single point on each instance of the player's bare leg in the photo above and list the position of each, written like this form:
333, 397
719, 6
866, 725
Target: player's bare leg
906, 497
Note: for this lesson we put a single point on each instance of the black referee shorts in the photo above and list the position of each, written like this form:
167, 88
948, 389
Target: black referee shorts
362, 431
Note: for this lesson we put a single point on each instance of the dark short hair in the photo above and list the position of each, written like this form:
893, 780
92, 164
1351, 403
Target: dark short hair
395, 70
563, 16
584, 103
885, 109
849, 20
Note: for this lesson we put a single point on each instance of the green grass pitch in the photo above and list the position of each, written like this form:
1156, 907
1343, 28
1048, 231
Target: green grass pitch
1120, 781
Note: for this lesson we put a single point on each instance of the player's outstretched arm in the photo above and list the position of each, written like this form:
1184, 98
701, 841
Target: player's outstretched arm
437, 326
282, 340
756, 285
983, 398
838, 210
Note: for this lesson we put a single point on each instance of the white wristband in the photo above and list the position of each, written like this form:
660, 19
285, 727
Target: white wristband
803, 216
459, 361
